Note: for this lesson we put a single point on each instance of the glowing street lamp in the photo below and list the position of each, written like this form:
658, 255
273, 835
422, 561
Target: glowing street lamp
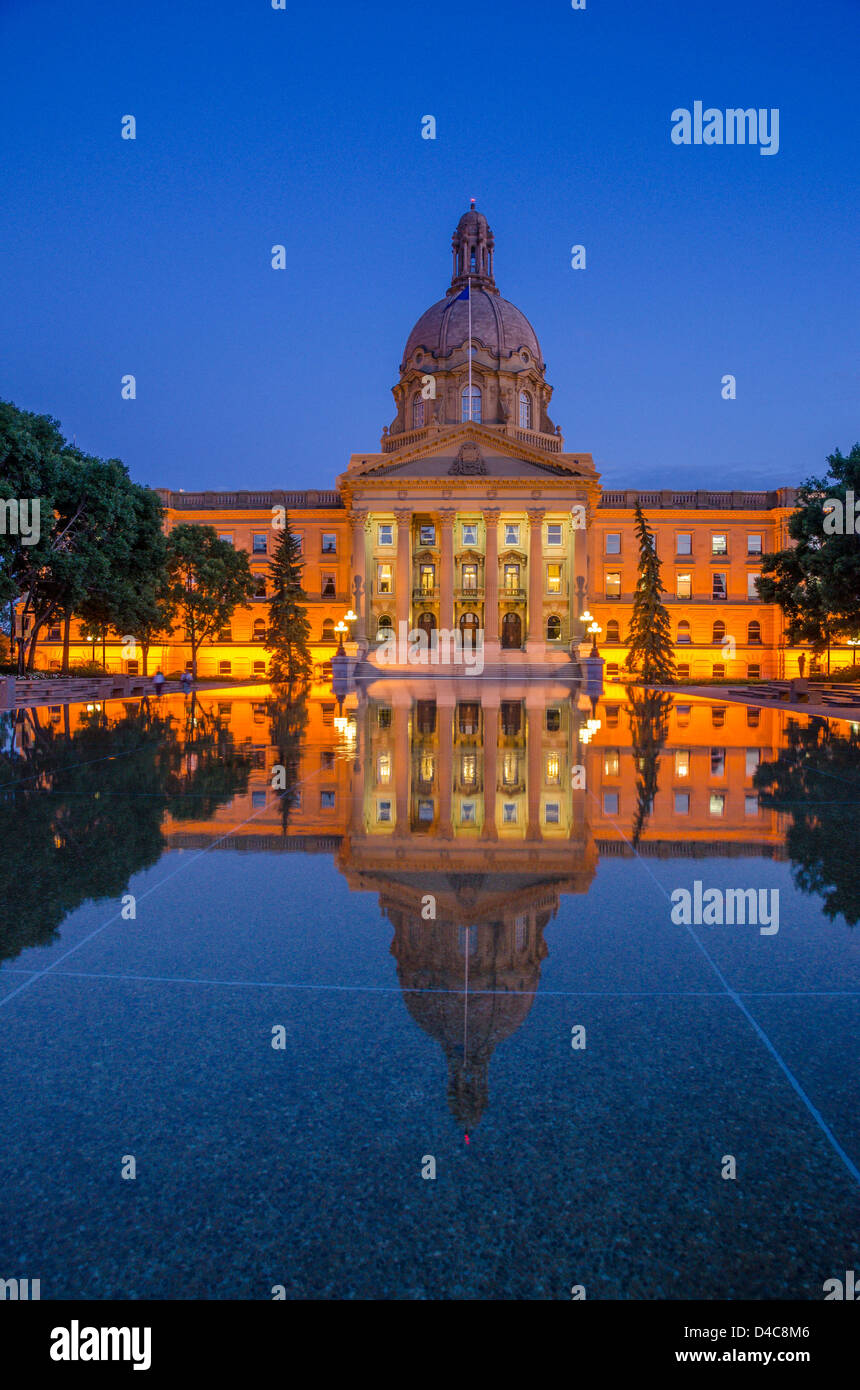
340, 628
594, 627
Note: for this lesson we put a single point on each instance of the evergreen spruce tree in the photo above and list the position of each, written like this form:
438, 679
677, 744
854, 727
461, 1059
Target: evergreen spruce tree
649, 639
289, 629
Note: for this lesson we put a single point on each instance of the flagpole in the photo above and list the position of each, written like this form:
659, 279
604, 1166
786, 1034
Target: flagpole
469, 281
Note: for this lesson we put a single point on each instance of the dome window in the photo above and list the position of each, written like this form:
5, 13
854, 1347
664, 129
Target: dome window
525, 411
475, 412
417, 411
472, 266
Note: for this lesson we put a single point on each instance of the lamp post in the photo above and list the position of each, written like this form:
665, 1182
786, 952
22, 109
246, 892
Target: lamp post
340, 628
594, 627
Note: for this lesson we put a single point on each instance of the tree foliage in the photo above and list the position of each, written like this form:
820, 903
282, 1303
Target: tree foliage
816, 581
207, 580
289, 629
649, 638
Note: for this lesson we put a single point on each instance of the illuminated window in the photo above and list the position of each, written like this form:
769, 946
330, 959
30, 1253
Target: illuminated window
384, 578
717, 803
612, 762
468, 769
475, 412
427, 578
426, 768
525, 411
470, 577
553, 770
553, 628
553, 579
511, 577
613, 585
682, 762
683, 586
510, 768
384, 628
383, 769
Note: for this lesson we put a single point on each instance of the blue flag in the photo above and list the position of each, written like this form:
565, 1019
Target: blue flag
464, 294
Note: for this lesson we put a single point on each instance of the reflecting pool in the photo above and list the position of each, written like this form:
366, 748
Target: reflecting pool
395, 994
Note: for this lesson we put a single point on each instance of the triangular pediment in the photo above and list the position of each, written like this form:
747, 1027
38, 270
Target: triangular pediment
470, 451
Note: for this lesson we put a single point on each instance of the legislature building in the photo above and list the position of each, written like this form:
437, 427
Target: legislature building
473, 517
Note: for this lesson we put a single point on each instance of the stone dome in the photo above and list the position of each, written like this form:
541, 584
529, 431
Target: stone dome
500, 326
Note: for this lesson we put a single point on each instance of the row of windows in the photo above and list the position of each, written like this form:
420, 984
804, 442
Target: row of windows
511, 577
260, 541
684, 634
683, 801
471, 408
553, 533
684, 585
718, 671
684, 543
752, 760
469, 623
425, 812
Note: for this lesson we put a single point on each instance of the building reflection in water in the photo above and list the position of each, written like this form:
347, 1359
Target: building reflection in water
467, 807
468, 818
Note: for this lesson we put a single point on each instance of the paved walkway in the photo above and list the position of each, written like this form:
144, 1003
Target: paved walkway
832, 708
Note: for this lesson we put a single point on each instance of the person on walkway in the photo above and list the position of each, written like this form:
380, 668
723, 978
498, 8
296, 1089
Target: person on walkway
185, 681
801, 663
158, 681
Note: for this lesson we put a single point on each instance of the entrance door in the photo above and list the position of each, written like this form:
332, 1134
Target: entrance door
427, 623
469, 630
512, 630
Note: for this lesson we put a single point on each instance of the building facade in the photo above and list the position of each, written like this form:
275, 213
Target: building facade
473, 518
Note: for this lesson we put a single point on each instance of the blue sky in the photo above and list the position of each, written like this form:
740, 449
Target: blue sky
302, 127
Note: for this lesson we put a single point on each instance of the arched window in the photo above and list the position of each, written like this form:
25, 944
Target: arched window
719, 632
553, 629
328, 630
476, 404
384, 626
612, 631
754, 632
525, 411
259, 630
683, 633
417, 411
472, 260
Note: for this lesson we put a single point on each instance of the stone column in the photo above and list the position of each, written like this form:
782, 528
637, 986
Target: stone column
535, 707
403, 580
536, 643
445, 712
360, 522
446, 577
402, 761
491, 584
490, 715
